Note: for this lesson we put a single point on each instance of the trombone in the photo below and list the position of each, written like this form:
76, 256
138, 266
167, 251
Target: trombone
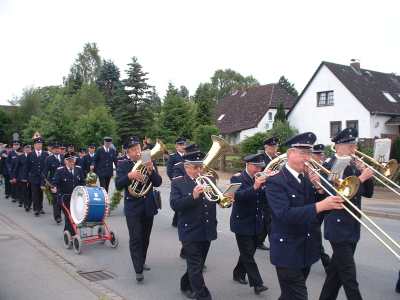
383, 172
346, 188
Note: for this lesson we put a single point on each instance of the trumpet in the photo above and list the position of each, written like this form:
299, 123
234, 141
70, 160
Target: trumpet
212, 193
346, 189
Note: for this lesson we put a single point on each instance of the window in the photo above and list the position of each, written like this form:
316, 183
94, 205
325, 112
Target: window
336, 126
325, 98
267, 126
270, 116
352, 124
389, 97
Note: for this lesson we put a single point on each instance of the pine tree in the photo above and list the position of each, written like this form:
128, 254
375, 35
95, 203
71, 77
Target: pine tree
280, 113
288, 86
109, 81
133, 110
205, 103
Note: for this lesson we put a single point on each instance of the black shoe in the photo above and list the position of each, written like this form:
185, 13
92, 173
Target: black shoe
146, 267
240, 280
42, 212
259, 289
7, 196
262, 247
58, 220
189, 294
14, 200
27, 209
398, 285
139, 277
20, 205
37, 214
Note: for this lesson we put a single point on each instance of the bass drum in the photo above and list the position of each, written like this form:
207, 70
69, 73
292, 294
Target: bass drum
89, 205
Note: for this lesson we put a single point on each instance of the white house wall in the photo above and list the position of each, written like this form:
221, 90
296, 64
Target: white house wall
307, 116
261, 126
378, 126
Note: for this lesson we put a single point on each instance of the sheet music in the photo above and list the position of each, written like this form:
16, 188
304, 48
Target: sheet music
382, 150
338, 167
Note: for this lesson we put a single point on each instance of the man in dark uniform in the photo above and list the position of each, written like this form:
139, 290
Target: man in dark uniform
66, 178
247, 220
103, 162
11, 163
21, 176
174, 159
341, 229
295, 237
2, 149
88, 159
140, 211
14, 182
5, 171
52, 163
197, 224
36, 161
270, 152
63, 148
71, 148
79, 160
318, 155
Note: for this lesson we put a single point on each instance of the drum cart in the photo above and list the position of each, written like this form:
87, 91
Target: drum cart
87, 233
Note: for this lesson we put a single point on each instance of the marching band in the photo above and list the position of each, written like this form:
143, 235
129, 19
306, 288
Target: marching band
280, 196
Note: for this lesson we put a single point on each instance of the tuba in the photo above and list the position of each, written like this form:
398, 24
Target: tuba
140, 189
218, 147
277, 163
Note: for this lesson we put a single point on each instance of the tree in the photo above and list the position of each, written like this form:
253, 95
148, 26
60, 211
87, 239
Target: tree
202, 134
226, 81
5, 129
280, 113
288, 86
183, 92
205, 104
133, 110
175, 116
108, 81
85, 99
95, 125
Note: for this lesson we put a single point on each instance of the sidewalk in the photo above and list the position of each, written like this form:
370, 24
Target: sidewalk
28, 272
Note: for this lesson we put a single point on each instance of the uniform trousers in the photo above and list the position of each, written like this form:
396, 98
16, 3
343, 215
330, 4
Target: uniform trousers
246, 264
139, 228
341, 271
293, 283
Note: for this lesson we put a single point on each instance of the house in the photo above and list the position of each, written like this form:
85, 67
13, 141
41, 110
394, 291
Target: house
339, 96
244, 113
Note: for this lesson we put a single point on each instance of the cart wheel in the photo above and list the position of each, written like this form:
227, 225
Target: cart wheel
113, 240
100, 233
67, 239
77, 243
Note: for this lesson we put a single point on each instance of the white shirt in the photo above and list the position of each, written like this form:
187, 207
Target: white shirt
38, 153
293, 172
106, 149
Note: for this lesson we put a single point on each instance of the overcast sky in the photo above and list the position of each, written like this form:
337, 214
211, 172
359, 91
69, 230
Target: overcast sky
185, 41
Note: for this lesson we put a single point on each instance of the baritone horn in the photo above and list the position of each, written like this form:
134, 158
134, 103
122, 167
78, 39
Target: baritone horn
218, 147
140, 189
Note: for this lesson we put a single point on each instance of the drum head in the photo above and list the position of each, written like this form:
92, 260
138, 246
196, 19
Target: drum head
78, 205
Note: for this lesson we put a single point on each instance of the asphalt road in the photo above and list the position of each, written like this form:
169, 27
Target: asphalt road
35, 264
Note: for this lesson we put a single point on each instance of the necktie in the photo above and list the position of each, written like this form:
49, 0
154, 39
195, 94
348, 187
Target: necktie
301, 177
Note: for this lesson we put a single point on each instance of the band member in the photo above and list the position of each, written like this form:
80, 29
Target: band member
147, 144
2, 150
197, 224
36, 161
11, 163
140, 211
66, 178
88, 159
175, 158
103, 162
79, 160
52, 163
63, 149
14, 180
5, 171
319, 156
295, 237
23, 186
247, 220
71, 148
270, 152
341, 229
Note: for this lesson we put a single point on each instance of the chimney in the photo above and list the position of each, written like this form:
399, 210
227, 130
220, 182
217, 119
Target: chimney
355, 64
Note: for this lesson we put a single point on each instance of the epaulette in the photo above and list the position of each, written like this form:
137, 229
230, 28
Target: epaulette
60, 167
177, 177
328, 160
178, 163
78, 167
237, 174
172, 154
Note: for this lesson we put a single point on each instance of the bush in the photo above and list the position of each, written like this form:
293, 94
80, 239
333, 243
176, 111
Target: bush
396, 149
202, 134
281, 129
